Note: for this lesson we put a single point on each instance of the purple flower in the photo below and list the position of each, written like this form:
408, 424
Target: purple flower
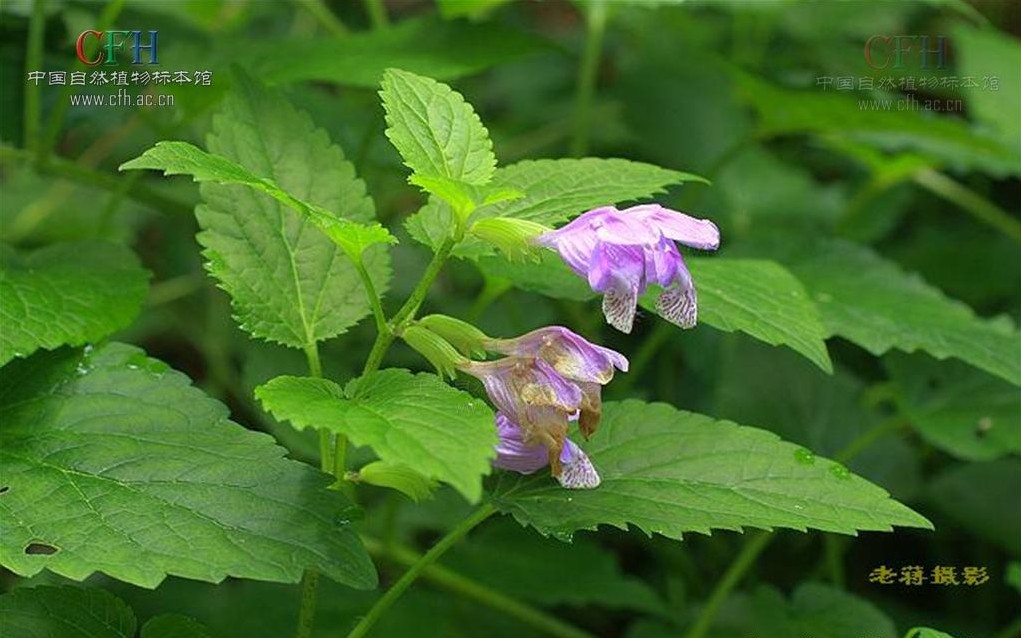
513, 453
540, 401
589, 365
622, 252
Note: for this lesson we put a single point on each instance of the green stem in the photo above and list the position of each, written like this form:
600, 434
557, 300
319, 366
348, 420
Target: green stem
595, 22
34, 62
56, 121
742, 563
427, 559
457, 584
377, 14
324, 16
868, 437
970, 202
370, 292
67, 169
410, 307
310, 579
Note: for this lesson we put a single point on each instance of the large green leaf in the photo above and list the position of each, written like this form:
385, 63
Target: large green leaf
437, 133
988, 53
439, 49
112, 462
959, 409
289, 283
182, 158
874, 303
69, 293
761, 299
83, 612
414, 420
669, 472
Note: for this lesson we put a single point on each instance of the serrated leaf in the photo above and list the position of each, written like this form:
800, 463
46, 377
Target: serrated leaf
67, 612
66, 294
963, 411
926, 632
398, 477
549, 276
112, 462
436, 48
173, 626
670, 472
872, 302
411, 419
182, 158
83, 612
555, 191
760, 298
435, 130
288, 282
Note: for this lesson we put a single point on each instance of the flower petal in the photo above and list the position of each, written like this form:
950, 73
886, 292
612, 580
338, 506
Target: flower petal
616, 228
577, 471
662, 262
690, 231
576, 241
569, 353
678, 304
619, 306
512, 453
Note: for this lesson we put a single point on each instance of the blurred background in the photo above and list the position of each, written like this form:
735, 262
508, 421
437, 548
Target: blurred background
812, 120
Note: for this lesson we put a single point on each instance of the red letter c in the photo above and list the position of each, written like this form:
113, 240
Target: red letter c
868, 51
80, 48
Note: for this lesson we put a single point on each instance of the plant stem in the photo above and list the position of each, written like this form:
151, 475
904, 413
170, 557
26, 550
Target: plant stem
427, 559
595, 23
410, 307
310, 579
468, 588
327, 18
370, 292
34, 62
58, 167
744, 560
56, 121
377, 13
970, 202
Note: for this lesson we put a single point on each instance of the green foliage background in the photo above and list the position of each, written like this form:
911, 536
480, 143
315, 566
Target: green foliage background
863, 306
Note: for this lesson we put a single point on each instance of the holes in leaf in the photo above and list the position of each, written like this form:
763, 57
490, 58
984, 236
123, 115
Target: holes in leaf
4, 489
40, 549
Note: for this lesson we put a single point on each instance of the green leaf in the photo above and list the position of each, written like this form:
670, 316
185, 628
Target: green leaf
550, 276
71, 294
926, 632
289, 284
963, 411
760, 298
398, 477
976, 496
669, 472
182, 158
83, 612
437, 133
414, 420
438, 49
982, 53
67, 612
112, 462
555, 191
174, 626
874, 303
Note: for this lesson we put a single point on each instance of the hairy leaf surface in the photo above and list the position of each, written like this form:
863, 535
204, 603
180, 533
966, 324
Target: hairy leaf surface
112, 462
408, 419
669, 472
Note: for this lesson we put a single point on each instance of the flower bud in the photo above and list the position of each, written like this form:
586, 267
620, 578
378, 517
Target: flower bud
435, 349
462, 335
513, 237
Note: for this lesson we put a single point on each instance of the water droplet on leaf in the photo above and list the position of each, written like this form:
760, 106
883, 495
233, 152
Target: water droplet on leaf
804, 456
840, 471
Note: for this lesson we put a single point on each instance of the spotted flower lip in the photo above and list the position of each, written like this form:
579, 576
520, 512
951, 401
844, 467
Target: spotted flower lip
513, 453
622, 252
